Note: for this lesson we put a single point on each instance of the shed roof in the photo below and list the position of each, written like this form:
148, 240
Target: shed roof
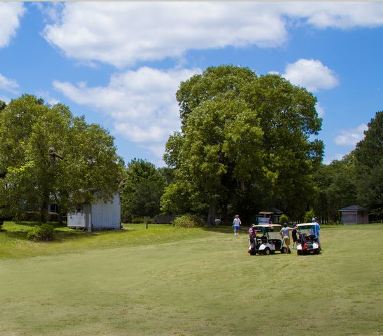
353, 207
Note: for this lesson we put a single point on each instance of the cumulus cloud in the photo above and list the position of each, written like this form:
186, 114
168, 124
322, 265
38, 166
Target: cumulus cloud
311, 74
10, 14
141, 103
124, 33
351, 137
320, 110
336, 14
8, 85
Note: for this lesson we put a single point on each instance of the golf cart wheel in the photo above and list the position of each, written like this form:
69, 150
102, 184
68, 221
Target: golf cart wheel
299, 252
267, 251
283, 250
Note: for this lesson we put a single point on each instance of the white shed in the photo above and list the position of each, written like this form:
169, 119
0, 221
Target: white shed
99, 215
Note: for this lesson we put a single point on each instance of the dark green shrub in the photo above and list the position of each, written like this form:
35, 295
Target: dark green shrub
188, 221
45, 232
309, 215
283, 219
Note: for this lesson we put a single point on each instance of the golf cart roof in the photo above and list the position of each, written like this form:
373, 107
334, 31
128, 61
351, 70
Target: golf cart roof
306, 224
267, 225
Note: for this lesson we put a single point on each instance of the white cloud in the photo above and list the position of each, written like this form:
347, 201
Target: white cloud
10, 14
351, 137
124, 33
47, 97
343, 15
311, 74
320, 110
328, 159
141, 103
5, 99
8, 85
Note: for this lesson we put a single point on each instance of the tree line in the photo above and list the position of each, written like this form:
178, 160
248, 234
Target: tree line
247, 143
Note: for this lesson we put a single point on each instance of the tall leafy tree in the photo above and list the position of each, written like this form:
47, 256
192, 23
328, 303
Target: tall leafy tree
369, 166
290, 123
142, 189
49, 156
335, 188
244, 140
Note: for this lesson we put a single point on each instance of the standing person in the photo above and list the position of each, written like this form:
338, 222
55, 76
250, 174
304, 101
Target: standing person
316, 229
236, 225
252, 238
294, 235
285, 233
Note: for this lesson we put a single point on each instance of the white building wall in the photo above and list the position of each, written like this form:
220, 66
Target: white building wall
106, 215
80, 219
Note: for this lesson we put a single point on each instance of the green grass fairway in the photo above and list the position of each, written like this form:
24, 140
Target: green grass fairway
168, 281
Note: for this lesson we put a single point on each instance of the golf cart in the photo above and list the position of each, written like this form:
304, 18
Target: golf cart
267, 240
308, 239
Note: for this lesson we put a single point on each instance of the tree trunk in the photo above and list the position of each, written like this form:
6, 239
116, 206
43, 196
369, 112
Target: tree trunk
44, 212
211, 214
44, 208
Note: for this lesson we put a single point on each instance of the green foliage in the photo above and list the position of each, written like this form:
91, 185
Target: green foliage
283, 219
44, 232
309, 215
142, 189
369, 167
49, 156
336, 188
188, 221
245, 142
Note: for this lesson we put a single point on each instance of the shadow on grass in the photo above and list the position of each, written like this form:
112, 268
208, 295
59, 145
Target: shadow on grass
19, 231
224, 229
33, 224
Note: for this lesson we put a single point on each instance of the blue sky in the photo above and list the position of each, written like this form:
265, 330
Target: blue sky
120, 64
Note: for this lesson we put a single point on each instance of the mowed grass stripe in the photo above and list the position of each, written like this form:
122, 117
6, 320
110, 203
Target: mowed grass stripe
204, 285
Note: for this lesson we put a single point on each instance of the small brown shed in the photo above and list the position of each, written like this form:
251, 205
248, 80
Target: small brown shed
354, 214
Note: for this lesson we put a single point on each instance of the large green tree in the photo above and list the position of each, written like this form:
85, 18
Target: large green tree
335, 188
245, 142
49, 156
369, 167
142, 188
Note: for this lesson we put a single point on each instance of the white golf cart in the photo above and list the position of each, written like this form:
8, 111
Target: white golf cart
268, 240
308, 239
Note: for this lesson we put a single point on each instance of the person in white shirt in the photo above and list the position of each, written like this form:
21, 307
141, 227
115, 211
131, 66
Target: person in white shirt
285, 233
236, 225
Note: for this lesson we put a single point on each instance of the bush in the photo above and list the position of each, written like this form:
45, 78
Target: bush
283, 219
188, 221
45, 232
309, 215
